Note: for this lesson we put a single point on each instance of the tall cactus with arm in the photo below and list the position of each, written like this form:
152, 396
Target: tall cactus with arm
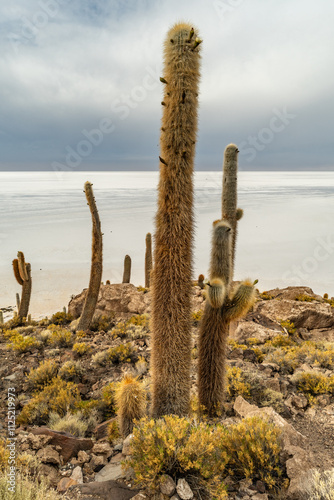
224, 303
22, 273
96, 266
171, 277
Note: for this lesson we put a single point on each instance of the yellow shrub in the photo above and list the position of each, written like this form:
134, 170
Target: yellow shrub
313, 383
197, 316
71, 370
305, 298
284, 357
282, 340
22, 343
103, 323
254, 449
39, 377
176, 446
139, 320
61, 318
236, 383
113, 431
81, 348
119, 331
60, 337
123, 353
58, 397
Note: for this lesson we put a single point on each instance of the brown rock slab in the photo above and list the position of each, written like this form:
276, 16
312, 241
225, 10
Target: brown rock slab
48, 455
108, 490
65, 483
69, 445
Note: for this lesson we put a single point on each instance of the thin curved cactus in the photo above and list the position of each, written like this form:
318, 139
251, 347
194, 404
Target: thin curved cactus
96, 266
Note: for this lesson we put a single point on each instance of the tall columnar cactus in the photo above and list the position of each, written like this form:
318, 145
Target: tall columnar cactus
127, 269
171, 277
230, 212
130, 399
22, 273
1, 317
223, 305
96, 266
148, 260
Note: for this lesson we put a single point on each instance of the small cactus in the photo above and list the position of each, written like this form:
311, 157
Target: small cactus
200, 281
148, 260
22, 273
96, 266
130, 397
18, 300
127, 269
1, 317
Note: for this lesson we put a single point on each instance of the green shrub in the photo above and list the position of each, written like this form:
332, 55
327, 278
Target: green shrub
58, 397
39, 377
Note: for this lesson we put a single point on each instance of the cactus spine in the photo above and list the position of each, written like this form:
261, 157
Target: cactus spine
127, 269
130, 399
148, 260
223, 305
22, 273
230, 212
171, 276
96, 266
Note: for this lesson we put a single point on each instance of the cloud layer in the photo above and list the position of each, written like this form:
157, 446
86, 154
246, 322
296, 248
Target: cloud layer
79, 82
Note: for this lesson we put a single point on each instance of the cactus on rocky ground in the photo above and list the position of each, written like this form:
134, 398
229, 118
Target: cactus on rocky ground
148, 260
172, 270
127, 269
223, 304
1, 317
96, 266
22, 273
130, 399
18, 300
230, 212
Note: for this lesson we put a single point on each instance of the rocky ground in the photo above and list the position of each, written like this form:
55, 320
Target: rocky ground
90, 467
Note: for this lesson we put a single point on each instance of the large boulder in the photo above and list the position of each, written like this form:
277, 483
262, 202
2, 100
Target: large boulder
123, 300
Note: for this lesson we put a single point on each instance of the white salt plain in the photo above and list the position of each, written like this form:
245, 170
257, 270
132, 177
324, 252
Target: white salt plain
286, 236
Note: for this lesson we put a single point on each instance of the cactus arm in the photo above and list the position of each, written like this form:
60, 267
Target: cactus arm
216, 293
242, 300
172, 271
96, 266
127, 269
239, 214
17, 272
22, 266
148, 260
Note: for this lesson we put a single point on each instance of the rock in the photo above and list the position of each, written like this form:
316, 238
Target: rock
167, 485
107, 490
97, 462
77, 475
183, 490
297, 400
140, 496
260, 496
126, 450
273, 384
260, 486
83, 457
122, 301
49, 471
101, 430
65, 483
110, 471
10, 377
295, 469
175, 497
102, 449
69, 445
248, 329
48, 455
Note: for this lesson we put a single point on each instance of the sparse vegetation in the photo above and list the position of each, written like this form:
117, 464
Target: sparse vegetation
61, 318
60, 337
71, 370
39, 377
81, 348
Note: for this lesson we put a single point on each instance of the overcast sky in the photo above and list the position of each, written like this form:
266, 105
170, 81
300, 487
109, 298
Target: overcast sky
70, 67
